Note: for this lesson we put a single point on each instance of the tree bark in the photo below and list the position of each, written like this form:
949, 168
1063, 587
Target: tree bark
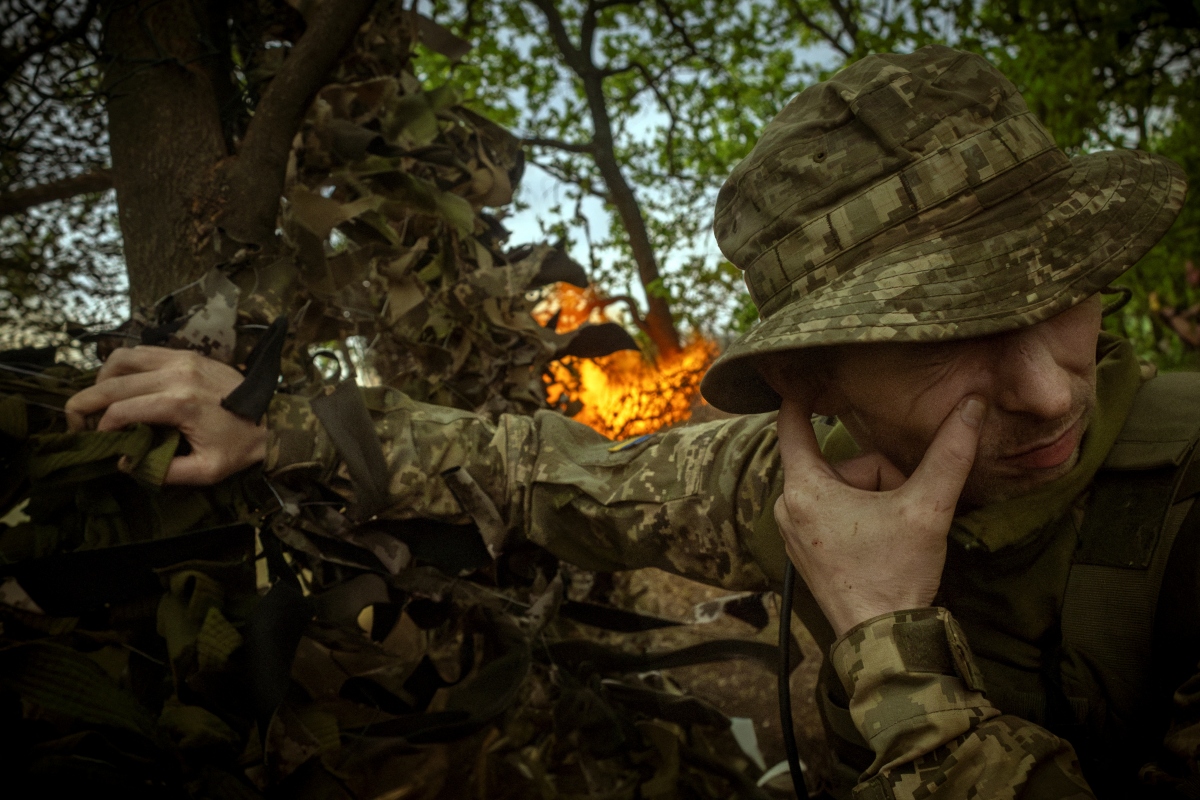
165, 137
659, 324
254, 180
181, 193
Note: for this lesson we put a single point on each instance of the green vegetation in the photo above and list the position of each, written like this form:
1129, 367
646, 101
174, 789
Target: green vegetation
637, 109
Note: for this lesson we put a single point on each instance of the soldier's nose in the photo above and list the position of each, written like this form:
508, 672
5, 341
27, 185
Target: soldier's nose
1029, 378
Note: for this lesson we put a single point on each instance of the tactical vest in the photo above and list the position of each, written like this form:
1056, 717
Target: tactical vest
1088, 628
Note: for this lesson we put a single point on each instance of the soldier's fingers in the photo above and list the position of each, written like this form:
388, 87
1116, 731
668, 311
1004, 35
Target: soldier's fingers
153, 409
143, 358
75, 420
195, 469
870, 472
940, 476
798, 449
100, 396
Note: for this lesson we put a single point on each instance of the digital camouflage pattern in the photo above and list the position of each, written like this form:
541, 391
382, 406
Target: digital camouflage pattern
917, 696
698, 501
564, 485
915, 197
879, 663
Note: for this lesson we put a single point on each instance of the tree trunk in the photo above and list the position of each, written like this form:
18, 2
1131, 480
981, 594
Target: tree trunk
253, 182
162, 85
659, 324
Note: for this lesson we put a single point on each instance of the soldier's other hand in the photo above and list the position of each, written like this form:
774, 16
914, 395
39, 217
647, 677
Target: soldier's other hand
866, 540
180, 388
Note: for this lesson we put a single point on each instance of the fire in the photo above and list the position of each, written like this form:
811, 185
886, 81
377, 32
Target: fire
574, 307
622, 395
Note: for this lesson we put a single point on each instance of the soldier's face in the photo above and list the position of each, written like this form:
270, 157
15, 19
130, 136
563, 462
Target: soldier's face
1039, 382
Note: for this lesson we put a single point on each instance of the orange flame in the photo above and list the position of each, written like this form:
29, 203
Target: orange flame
573, 305
622, 395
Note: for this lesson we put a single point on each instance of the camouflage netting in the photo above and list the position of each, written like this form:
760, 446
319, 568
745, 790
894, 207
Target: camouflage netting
268, 638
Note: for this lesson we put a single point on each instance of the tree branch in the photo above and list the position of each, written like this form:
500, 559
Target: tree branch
631, 305
563, 176
255, 178
681, 31
576, 59
664, 100
677, 27
11, 62
848, 23
587, 28
601, 5
812, 24
621, 194
609, 72
24, 199
570, 147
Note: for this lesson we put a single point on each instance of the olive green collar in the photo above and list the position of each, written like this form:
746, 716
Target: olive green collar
1003, 524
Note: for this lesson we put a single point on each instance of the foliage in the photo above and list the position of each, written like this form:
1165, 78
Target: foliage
59, 262
689, 83
686, 85
401, 174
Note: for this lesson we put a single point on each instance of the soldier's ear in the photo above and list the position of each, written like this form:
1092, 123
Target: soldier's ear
806, 375
830, 401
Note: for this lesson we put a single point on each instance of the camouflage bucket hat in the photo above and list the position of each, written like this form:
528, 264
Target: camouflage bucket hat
916, 197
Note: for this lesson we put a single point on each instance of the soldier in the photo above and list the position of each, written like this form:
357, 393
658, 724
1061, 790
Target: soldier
928, 268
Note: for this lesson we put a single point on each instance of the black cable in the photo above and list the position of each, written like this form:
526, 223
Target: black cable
785, 690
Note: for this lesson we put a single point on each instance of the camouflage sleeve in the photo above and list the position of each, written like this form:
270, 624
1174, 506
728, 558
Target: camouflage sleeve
684, 500
917, 697
1179, 764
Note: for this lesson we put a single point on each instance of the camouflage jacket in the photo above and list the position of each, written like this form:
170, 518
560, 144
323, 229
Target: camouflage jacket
697, 501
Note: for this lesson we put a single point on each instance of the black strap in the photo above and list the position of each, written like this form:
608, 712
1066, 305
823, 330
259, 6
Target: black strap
453, 549
345, 418
253, 395
272, 635
477, 700
68, 584
577, 655
784, 679
610, 618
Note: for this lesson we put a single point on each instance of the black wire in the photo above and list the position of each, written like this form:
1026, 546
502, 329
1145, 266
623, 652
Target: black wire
785, 690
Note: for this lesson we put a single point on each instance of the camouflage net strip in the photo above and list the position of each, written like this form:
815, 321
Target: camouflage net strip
258, 638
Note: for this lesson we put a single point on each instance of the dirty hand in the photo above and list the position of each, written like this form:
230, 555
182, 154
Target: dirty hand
866, 540
183, 389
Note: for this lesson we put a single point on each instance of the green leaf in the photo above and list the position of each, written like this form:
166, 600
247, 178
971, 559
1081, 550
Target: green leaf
65, 683
192, 727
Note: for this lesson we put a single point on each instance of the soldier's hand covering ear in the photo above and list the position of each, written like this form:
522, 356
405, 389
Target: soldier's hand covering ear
866, 540
183, 389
